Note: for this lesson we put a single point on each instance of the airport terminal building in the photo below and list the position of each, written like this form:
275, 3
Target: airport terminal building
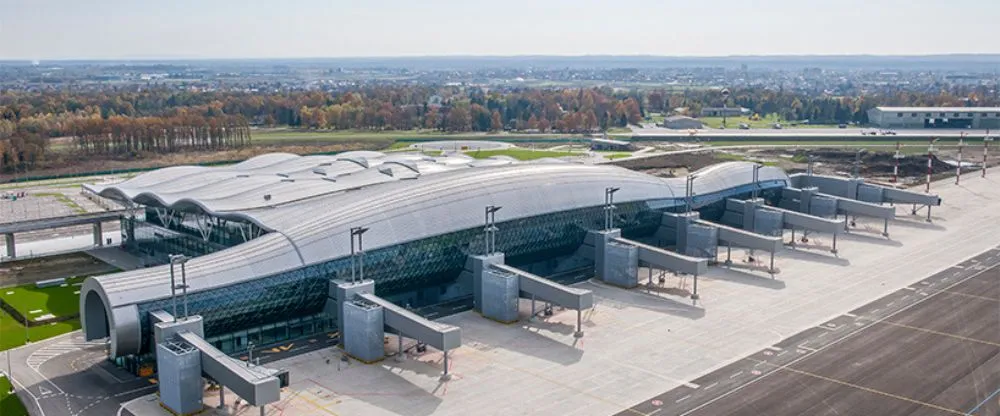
935, 117
268, 234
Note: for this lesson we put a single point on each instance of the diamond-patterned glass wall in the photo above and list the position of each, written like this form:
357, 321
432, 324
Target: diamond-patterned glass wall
415, 274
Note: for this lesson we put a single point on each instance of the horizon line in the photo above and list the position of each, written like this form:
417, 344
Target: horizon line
476, 56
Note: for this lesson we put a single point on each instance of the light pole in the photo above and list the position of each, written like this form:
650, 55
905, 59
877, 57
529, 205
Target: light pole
986, 146
609, 207
10, 370
810, 161
182, 260
490, 238
958, 169
357, 258
756, 181
895, 168
725, 109
689, 192
857, 163
930, 161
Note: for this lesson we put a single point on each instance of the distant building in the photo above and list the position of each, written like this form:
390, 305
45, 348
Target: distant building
609, 144
727, 111
935, 117
435, 101
682, 123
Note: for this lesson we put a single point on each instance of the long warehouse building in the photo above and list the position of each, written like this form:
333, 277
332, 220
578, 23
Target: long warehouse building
269, 233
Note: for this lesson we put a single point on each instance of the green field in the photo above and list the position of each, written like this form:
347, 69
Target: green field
519, 154
619, 155
57, 300
10, 405
763, 123
13, 332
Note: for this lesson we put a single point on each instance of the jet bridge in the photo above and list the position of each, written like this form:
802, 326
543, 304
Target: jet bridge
497, 288
857, 189
811, 201
616, 260
362, 318
183, 357
666, 259
749, 214
746, 239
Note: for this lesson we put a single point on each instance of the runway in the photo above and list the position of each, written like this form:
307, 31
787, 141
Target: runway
932, 348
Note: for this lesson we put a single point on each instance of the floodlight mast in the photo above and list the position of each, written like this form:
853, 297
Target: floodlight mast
897, 156
357, 257
756, 180
958, 168
930, 162
609, 207
986, 145
489, 236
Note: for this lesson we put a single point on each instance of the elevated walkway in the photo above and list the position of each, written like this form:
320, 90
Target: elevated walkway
362, 318
59, 222
256, 384
533, 286
183, 357
666, 259
497, 288
444, 337
857, 189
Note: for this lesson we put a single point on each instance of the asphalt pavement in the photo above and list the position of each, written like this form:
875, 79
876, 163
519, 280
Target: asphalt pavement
932, 348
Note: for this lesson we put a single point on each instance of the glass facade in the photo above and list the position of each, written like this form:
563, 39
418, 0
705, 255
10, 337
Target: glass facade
422, 275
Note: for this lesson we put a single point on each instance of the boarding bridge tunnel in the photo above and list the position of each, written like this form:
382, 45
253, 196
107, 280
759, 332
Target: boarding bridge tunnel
184, 359
362, 318
498, 288
754, 215
855, 189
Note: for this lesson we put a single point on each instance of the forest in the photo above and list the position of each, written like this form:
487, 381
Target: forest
132, 122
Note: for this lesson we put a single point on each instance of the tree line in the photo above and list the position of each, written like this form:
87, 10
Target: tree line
125, 122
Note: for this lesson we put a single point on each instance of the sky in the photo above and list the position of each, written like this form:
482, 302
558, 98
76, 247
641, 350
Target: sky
157, 29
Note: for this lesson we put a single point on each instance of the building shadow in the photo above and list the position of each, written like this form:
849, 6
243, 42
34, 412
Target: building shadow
825, 257
870, 238
915, 222
669, 304
394, 394
738, 276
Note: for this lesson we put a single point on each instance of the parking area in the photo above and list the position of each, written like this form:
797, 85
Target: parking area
932, 348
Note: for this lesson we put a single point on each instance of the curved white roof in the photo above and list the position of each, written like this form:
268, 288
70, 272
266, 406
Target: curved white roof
317, 229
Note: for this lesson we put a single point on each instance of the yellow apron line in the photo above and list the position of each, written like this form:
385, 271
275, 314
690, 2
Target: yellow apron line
862, 388
968, 295
316, 405
944, 334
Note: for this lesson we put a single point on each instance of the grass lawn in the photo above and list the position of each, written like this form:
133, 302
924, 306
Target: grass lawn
614, 156
56, 300
10, 405
763, 123
519, 154
13, 332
